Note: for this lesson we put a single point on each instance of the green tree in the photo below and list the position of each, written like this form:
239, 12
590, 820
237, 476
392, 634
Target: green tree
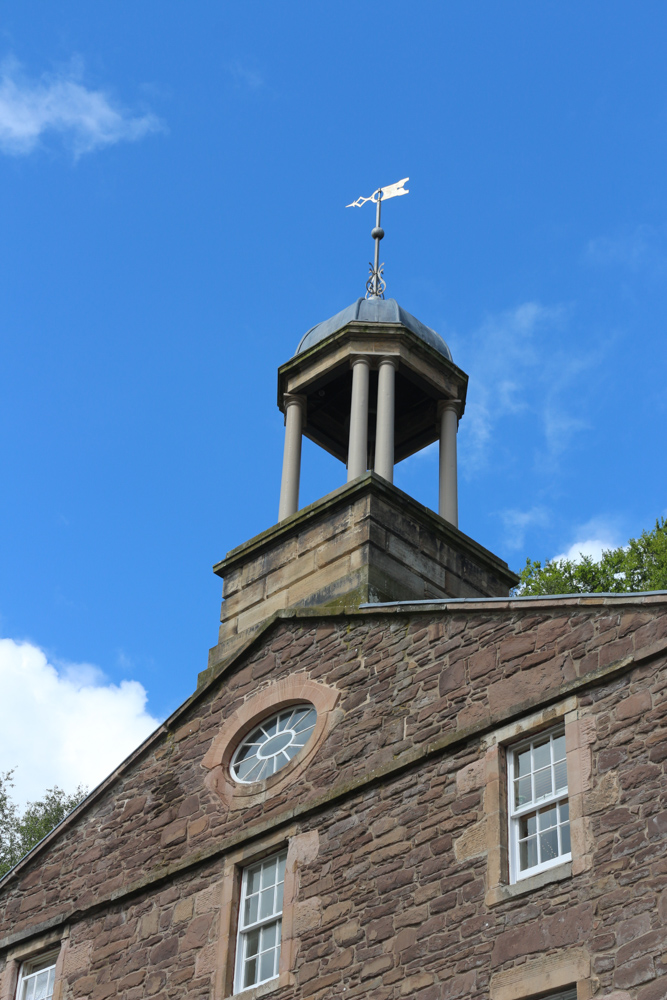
8, 824
20, 833
639, 565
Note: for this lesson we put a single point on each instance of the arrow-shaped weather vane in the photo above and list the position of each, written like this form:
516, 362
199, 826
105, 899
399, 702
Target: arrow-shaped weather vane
376, 284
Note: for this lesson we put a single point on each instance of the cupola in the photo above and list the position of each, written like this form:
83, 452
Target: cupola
372, 385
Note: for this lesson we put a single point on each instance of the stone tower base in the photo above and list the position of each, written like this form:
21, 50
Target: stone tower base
365, 542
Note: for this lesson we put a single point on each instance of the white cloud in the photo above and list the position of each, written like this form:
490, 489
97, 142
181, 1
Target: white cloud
65, 726
60, 104
591, 538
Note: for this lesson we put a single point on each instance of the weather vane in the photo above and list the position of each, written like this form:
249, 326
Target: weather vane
376, 284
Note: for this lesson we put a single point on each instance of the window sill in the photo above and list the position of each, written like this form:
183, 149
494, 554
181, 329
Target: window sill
501, 893
255, 992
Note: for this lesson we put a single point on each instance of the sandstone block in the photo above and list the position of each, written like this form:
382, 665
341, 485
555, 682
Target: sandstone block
634, 973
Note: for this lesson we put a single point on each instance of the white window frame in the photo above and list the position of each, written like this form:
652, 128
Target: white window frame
517, 813
246, 927
31, 968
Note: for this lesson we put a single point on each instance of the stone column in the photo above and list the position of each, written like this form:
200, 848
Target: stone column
384, 433
295, 411
448, 416
357, 451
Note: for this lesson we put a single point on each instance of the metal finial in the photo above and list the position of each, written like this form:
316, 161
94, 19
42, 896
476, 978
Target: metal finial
376, 284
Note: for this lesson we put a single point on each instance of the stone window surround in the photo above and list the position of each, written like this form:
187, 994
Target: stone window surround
302, 848
272, 698
549, 973
44, 944
490, 835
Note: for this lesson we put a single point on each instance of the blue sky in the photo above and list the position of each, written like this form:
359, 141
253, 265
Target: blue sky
172, 184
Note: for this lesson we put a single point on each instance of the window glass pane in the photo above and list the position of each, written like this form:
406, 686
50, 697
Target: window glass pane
250, 915
282, 721
269, 873
522, 763
549, 845
522, 791
29, 989
559, 747
307, 721
271, 726
541, 754
266, 905
542, 781
279, 898
267, 961
560, 776
528, 853
42, 985
254, 879
528, 826
250, 976
252, 943
248, 769
269, 936
564, 811
565, 838
548, 818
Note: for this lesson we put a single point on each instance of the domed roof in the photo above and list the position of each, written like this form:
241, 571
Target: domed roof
373, 311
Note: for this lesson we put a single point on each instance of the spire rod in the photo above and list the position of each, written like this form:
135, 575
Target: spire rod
376, 284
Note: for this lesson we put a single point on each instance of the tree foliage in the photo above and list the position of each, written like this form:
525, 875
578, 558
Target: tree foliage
639, 565
20, 833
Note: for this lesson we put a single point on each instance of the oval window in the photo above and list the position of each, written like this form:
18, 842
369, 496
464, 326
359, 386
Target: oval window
273, 743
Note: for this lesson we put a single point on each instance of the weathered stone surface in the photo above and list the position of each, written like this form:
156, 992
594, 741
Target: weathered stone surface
390, 900
367, 541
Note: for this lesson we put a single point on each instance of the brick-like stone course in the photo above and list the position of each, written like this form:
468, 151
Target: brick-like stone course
389, 906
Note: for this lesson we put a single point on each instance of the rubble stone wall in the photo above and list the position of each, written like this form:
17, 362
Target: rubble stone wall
390, 903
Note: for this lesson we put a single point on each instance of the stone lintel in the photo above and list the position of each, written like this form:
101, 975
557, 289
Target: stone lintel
367, 541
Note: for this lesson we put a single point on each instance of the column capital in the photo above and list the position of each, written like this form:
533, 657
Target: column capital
358, 359
295, 399
388, 359
449, 404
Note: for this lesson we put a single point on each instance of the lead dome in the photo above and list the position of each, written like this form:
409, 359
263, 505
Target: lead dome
373, 310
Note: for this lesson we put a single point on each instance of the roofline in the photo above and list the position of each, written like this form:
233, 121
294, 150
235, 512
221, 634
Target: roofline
588, 596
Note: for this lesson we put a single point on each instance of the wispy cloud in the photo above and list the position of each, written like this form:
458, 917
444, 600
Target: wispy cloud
519, 369
642, 249
245, 76
517, 522
60, 105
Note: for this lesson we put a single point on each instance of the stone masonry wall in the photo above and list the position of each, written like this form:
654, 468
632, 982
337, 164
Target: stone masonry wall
388, 906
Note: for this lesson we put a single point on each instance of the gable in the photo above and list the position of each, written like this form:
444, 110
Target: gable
401, 687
